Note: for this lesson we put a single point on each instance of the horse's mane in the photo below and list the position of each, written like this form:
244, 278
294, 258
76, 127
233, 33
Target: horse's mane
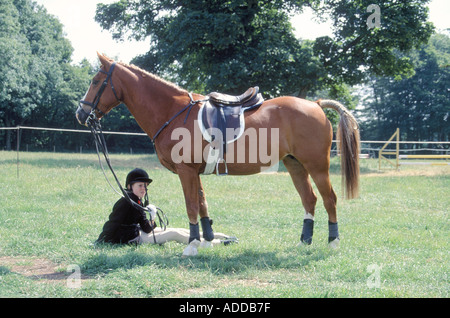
154, 77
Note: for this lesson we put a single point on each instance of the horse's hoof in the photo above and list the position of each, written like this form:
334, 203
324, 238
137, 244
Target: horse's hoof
305, 240
191, 249
334, 244
303, 244
205, 244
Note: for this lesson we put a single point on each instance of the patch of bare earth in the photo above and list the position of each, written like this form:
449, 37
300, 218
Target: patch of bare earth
39, 269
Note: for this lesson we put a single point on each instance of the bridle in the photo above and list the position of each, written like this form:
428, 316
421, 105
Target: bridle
92, 119
97, 97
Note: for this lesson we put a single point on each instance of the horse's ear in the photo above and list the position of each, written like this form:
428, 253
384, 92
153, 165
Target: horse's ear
103, 59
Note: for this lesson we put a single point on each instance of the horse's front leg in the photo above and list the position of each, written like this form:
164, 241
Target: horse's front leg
208, 233
195, 203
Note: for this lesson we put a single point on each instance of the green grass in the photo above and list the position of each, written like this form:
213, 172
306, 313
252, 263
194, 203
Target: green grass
56, 208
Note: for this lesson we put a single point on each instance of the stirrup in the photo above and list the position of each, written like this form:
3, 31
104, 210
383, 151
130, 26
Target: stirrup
217, 167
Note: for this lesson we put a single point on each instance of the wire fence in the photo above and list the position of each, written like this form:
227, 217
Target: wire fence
62, 140
58, 140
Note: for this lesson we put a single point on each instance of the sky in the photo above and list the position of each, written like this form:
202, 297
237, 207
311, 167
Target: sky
87, 37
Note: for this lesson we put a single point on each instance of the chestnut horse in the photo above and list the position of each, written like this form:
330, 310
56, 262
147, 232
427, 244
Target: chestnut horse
303, 139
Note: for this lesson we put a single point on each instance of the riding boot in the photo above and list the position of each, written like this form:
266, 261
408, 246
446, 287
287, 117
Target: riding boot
208, 233
194, 232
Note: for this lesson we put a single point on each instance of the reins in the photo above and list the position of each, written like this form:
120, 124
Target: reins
100, 142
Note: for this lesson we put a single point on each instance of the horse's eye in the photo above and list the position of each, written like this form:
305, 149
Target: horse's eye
94, 82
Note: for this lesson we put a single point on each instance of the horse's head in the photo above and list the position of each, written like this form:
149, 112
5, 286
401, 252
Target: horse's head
101, 95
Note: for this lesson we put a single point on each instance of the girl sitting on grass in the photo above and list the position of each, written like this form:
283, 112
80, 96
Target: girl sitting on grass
129, 224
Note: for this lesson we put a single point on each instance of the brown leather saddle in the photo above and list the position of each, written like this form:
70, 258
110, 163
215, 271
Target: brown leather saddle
221, 119
249, 98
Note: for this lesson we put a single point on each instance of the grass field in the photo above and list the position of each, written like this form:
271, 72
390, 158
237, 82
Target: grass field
394, 238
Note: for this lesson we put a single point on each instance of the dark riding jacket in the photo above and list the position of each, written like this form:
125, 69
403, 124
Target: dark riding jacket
124, 222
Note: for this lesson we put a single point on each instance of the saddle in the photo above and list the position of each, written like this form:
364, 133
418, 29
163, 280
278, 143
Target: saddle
221, 120
244, 100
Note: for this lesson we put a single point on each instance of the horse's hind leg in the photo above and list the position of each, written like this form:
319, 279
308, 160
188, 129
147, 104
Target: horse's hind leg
300, 178
322, 180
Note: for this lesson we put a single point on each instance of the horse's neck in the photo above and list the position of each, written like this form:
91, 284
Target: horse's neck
150, 100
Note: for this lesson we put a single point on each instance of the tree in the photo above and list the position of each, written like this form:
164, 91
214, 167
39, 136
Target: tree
417, 105
38, 86
14, 54
360, 48
217, 45
230, 45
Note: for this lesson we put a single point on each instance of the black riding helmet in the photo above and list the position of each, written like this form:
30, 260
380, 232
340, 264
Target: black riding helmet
137, 175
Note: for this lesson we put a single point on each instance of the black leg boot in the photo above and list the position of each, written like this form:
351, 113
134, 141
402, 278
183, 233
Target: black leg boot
208, 233
194, 232
307, 232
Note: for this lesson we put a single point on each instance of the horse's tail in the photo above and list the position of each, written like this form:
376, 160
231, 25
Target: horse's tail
348, 145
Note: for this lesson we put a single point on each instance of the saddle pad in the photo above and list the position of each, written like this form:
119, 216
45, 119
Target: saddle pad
234, 120
219, 124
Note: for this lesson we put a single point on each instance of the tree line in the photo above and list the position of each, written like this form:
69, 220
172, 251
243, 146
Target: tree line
41, 87
419, 105
399, 65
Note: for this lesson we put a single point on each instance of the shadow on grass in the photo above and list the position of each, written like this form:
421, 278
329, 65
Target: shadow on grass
4, 270
213, 262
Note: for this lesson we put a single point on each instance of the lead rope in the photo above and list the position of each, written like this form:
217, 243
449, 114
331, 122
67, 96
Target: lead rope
96, 130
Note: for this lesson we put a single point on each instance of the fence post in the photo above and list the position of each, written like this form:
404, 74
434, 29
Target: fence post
18, 148
396, 153
397, 164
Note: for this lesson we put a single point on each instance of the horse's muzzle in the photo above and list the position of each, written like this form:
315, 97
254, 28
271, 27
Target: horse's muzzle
81, 116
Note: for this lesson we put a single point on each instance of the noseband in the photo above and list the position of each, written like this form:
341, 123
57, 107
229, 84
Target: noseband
96, 100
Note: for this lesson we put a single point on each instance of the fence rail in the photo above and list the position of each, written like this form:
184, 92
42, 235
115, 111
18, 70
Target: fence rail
144, 134
383, 151
397, 163
121, 141
73, 130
